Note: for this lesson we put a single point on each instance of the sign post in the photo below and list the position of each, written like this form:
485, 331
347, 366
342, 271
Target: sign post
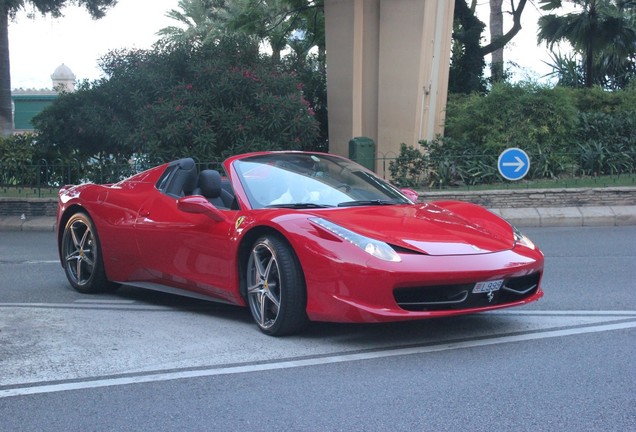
513, 164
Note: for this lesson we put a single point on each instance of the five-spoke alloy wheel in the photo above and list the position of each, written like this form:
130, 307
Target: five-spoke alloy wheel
275, 287
81, 255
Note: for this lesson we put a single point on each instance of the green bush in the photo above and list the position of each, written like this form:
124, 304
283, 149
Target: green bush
16, 153
607, 143
597, 100
521, 115
161, 104
540, 120
409, 168
564, 131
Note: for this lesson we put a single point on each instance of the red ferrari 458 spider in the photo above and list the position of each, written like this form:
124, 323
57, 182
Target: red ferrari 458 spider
296, 237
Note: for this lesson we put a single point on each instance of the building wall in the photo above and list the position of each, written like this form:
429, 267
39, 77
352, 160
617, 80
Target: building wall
27, 106
387, 71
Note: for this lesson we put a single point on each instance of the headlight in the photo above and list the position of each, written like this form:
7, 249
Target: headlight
373, 247
520, 238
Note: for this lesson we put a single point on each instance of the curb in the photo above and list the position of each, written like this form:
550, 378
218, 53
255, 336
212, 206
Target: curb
33, 223
569, 216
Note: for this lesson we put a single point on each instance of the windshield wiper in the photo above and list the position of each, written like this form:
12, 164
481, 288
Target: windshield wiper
374, 202
299, 206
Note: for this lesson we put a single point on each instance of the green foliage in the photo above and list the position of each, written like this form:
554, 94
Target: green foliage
409, 167
201, 22
514, 115
602, 34
311, 73
18, 148
596, 99
564, 131
566, 69
467, 61
16, 152
607, 142
160, 104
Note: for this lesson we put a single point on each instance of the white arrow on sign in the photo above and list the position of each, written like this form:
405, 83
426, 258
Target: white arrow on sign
519, 164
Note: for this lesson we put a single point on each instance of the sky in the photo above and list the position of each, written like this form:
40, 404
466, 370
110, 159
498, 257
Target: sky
39, 45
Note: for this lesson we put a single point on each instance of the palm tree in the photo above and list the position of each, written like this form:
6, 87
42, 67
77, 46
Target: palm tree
271, 21
202, 21
602, 32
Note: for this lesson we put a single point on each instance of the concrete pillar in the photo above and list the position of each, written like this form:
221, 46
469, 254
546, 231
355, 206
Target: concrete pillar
387, 71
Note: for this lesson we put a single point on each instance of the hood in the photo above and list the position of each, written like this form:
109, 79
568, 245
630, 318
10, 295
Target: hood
428, 228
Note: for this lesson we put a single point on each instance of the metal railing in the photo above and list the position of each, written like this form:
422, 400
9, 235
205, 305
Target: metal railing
447, 172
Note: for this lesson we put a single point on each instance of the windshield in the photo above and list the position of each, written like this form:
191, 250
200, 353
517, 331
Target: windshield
305, 180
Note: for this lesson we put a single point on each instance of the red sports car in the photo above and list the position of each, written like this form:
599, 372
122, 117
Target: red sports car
297, 237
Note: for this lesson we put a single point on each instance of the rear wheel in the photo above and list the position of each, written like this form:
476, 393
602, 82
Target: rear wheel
276, 291
82, 256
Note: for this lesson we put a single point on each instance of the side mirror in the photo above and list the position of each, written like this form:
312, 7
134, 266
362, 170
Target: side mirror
410, 194
199, 205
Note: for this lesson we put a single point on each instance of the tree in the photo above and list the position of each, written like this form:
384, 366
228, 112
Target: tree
468, 56
275, 22
498, 40
496, 32
293, 26
602, 33
8, 10
467, 62
155, 105
204, 21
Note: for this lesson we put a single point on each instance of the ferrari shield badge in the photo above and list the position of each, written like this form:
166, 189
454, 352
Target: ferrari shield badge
491, 296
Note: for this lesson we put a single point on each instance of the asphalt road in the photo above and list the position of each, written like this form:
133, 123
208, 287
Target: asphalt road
144, 361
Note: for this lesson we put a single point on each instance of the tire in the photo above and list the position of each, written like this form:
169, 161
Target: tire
82, 256
276, 291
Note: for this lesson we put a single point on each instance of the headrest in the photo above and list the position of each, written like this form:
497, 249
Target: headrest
210, 183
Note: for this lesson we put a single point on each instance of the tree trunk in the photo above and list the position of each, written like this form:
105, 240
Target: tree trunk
6, 112
496, 32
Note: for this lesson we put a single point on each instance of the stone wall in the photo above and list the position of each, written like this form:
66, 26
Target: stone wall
523, 198
543, 198
28, 206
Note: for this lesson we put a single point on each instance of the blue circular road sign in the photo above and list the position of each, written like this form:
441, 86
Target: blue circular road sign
513, 164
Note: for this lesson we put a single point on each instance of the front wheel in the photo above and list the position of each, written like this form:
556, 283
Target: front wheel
82, 256
276, 291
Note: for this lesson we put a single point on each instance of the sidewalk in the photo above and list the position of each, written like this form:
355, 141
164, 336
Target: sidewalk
521, 217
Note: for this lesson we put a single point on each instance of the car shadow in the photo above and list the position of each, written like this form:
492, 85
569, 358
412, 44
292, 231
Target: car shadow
349, 335
413, 333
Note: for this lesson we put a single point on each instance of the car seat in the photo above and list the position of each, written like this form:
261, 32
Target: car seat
209, 186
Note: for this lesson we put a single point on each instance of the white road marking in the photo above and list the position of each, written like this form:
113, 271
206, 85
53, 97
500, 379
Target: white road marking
40, 262
109, 301
132, 304
92, 304
287, 364
565, 313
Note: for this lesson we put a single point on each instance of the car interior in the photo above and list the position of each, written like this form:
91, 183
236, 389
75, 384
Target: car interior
181, 178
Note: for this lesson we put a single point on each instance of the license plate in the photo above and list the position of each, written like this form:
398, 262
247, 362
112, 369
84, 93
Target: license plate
488, 286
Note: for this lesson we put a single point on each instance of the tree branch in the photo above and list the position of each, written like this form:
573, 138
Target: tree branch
516, 27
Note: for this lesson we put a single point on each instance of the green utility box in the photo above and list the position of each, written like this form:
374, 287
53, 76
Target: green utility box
362, 151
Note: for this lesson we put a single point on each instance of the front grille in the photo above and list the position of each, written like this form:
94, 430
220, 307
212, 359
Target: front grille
461, 296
